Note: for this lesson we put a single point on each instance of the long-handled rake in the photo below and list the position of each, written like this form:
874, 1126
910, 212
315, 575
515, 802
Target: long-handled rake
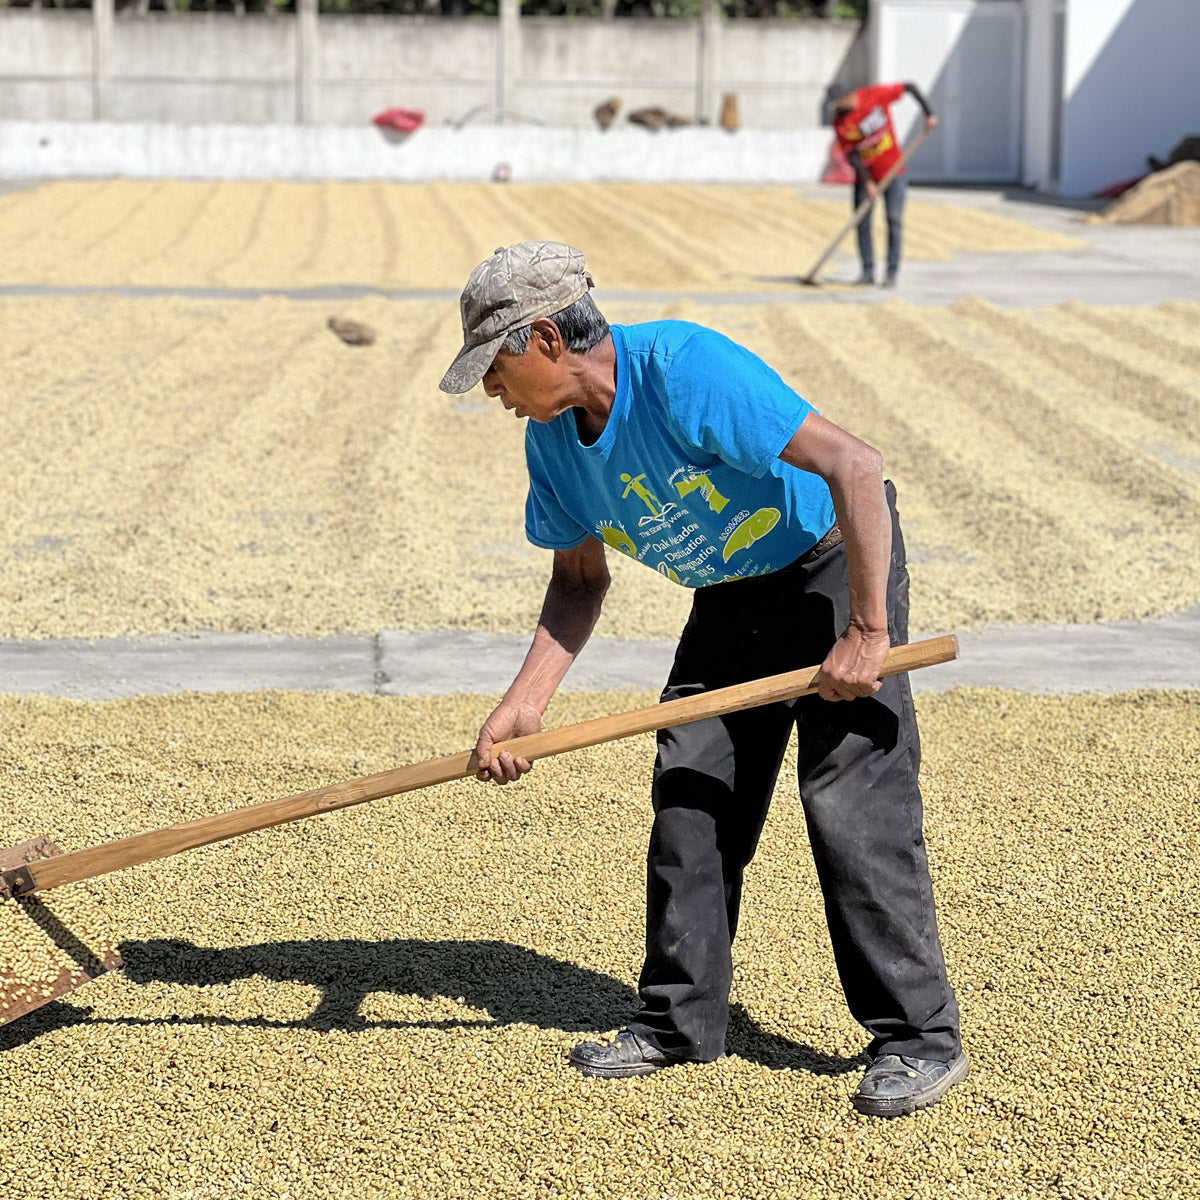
49, 949
863, 209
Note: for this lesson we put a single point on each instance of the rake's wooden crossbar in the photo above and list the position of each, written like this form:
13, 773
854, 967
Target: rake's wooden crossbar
41, 875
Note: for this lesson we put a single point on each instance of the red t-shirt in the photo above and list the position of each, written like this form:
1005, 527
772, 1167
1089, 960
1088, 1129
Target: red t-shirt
868, 129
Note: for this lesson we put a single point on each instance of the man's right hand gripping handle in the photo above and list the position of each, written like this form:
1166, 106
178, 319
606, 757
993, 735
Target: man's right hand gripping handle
509, 719
574, 596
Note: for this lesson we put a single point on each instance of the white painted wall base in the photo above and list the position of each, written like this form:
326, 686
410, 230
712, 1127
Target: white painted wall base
98, 149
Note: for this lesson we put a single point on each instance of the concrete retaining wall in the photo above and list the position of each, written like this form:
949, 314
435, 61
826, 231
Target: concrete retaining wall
221, 69
97, 149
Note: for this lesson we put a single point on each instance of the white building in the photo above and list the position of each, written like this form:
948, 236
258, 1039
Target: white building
1067, 96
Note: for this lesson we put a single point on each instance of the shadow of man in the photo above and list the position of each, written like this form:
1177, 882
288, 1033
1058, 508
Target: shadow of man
512, 984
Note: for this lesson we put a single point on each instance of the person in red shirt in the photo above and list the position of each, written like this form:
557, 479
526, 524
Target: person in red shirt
862, 121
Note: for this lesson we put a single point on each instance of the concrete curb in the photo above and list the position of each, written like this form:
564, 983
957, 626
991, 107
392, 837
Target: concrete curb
1114, 657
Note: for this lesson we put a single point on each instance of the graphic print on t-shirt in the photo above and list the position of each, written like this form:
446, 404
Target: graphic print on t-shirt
874, 120
868, 128
635, 485
702, 482
750, 530
860, 132
617, 538
668, 533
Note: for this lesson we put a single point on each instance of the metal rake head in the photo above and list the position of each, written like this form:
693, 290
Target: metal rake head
47, 947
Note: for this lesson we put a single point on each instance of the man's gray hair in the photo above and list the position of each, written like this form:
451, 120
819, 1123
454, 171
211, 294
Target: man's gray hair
581, 324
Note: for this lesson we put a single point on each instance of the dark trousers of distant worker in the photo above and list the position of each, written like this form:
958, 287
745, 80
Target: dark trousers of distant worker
858, 763
893, 204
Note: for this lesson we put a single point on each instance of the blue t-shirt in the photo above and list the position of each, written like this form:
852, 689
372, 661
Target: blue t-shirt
686, 476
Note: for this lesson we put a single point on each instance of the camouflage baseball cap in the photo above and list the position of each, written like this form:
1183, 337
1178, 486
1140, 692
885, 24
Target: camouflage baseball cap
508, 291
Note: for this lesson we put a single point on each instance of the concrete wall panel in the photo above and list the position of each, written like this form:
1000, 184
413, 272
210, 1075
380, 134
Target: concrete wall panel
45, 43
59, 100
161, 62
198, 46
643, 51
754, 52
420, 49
203, 102
780, 80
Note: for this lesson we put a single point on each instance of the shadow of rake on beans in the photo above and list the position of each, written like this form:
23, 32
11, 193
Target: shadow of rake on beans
512, 984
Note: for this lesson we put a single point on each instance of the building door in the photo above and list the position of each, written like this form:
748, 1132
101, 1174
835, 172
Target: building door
966, 56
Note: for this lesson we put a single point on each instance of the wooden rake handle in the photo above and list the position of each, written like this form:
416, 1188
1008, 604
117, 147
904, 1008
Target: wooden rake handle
159, 843
867, 204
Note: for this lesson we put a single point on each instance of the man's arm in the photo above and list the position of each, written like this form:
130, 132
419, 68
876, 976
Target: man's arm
931, 121
854, 158
854, 472
574, 596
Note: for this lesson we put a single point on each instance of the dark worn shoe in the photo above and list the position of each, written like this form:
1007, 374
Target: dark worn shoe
626, 1055
889, 280
866, 279
896, 1085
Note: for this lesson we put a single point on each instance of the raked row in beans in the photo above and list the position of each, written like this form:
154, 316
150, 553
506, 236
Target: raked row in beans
180, 464
167, 233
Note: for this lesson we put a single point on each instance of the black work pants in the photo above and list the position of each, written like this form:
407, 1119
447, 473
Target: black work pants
858, 763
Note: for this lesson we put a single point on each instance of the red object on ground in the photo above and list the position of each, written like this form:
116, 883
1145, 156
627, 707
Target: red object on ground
402, 120
1116, 189
837, 166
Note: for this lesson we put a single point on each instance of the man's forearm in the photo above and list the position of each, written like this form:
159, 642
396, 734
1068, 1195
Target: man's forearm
916, 93
569, 614
854, 158
866, 525
853, 472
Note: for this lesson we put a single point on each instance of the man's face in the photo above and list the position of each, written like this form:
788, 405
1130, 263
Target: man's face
528, 384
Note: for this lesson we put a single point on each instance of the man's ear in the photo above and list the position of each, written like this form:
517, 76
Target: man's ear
548, 337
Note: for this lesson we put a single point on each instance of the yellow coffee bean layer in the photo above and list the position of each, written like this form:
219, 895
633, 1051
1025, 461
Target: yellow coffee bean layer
179, 464
168, 233
378, 1003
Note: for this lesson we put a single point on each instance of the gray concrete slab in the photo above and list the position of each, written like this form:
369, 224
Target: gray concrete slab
1117, 264
1038, 280
1114, 657
1118, 656
106, 668
436, 663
